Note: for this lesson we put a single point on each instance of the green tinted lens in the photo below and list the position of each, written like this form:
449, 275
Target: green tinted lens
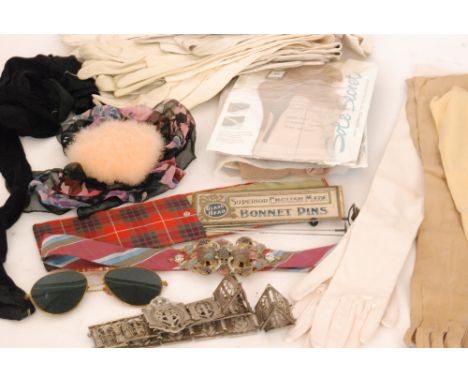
59, 292
135, 286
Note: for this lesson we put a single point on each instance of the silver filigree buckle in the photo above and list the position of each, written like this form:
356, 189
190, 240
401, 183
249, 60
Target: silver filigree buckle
241, 258
227, 312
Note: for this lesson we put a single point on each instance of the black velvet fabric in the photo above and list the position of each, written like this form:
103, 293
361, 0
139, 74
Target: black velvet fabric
36, 94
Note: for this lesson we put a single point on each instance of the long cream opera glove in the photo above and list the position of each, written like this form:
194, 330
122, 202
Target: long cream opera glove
347, 294
213, 77
148, 69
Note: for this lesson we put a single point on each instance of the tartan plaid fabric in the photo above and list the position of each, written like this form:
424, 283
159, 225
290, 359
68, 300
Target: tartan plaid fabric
155, 224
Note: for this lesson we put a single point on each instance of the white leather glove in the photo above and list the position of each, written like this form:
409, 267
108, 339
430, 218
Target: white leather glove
148, 69
343, 300
304, 311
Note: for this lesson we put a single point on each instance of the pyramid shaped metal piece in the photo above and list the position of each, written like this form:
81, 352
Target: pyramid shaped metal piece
273, 310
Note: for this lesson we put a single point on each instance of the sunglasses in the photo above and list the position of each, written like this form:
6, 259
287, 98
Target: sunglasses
60, 292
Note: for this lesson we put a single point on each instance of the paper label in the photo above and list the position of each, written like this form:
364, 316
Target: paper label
268, 206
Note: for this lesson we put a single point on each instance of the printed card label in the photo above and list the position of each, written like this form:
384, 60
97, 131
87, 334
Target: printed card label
268, 206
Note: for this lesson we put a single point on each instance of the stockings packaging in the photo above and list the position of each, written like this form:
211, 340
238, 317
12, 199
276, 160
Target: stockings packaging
313, 116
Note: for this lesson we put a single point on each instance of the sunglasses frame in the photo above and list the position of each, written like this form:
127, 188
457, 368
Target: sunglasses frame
86, 273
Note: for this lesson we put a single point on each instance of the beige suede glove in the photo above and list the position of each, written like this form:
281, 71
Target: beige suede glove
439, 286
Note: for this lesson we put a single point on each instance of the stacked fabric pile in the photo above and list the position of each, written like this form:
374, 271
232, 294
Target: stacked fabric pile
193, 68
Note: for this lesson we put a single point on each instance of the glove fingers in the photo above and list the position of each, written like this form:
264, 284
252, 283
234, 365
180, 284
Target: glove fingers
465, 340
304, 311
437, 338
410, 336
323, 316
362, 312
390, 318
455, 335
305, 342
421, 338
342, 322
323, 271
372, 323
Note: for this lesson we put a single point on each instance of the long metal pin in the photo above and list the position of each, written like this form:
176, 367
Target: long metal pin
281, 229
301, 233
337, 232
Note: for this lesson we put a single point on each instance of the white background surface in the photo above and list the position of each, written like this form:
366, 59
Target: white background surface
395, 56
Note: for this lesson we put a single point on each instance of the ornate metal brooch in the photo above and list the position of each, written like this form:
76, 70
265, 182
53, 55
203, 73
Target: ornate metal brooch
242, 258
228, 312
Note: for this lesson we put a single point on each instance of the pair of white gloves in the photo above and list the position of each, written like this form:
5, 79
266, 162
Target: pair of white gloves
193, 68
348, 295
